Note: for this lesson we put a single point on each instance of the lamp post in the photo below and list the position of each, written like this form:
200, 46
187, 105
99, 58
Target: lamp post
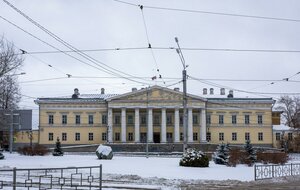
185, 116
11, 130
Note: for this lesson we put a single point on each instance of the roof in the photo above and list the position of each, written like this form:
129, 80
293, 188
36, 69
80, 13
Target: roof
282, 127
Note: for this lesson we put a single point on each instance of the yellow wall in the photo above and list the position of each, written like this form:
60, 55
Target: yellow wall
23, 136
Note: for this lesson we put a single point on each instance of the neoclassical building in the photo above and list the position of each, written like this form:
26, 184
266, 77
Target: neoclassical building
154, 115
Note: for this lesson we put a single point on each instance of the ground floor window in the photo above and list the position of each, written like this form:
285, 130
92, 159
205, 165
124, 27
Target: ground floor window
181, 136
260, 136
169, 137
143, 137
104, 137
290, 136
208, 137
50, 136
117, 136
91, 136
195, 136
130, 136
234, 136
247, 136
77, 136
64, 137
221, 136
277, 136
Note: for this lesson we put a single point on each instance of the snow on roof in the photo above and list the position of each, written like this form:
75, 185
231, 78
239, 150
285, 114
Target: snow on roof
282, 127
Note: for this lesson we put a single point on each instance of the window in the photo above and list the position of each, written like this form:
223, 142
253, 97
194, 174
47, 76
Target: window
77, 136
64, 119
143, 137
221, 136
208, 119
234, 136
77, 119
181, 119
181, 136
169, 119
260, 136
195, 119
104, 137
221, 119
195, 136
247, 136
91, 119
290, 136
277, 136
169, 137
117, 136
247, 119
50, 136
91, 136
129, 119
208, 137
259, 119
233, 119
156, 120
117, 119
50, 119
143, 119
130, 136
104, 119
64, 136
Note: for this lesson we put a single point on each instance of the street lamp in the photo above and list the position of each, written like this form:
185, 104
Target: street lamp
185, 118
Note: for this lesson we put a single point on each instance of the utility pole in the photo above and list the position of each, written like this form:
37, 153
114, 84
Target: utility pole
11, 130
147, 145
185, 112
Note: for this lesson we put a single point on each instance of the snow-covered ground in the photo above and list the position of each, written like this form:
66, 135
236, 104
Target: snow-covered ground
147, 173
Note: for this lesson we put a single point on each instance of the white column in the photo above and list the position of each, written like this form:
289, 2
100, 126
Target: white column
150, 126
176, 129
203, 126
190, 125
137, 125
110, 125
123, 125
163, 133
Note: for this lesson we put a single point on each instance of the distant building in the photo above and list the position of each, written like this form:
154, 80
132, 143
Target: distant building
155, 115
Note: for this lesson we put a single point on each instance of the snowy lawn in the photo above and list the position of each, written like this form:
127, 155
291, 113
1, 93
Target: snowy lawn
160, 167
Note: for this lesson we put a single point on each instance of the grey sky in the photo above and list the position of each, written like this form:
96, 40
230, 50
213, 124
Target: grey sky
97, 24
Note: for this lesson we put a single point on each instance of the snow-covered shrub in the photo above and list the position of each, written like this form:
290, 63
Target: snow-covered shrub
221, 155
37, 149
57, 150
194, 158
104, 152
251, 154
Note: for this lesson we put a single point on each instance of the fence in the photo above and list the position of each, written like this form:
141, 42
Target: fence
52, 178
272, 171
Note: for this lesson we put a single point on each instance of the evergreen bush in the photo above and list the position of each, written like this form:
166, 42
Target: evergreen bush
57, 150
194, 158
251, 154
221, 156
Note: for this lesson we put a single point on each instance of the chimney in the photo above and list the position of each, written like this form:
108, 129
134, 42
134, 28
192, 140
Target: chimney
176, 89
134, 89
102, 91
230, 95
222, 91
211, 91
204, 91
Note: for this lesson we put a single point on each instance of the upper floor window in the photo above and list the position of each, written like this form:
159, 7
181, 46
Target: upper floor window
117, 119
169, 119
64, 119
50, 119
156, 120
233, 119
195, 119
259, 119
221, 119
247, 119
77, 119
143, 119
104, 119
130, 119
208, 119
91, 119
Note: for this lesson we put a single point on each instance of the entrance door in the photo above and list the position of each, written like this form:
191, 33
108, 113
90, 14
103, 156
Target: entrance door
156, 137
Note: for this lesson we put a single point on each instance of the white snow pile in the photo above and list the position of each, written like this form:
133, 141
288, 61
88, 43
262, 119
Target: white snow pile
104, 152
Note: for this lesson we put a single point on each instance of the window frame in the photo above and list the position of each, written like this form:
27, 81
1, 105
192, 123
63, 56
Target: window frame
77, 136
51, 119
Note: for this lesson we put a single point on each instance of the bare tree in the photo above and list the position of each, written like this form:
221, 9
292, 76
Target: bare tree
10, 60
291, 110
10, 92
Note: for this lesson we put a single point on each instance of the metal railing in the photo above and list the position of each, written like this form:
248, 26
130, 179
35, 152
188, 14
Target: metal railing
52, 178
272, 171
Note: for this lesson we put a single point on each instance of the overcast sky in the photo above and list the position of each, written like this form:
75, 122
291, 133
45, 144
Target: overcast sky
102, 24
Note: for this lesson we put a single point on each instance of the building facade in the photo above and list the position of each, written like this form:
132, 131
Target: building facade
154, 115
